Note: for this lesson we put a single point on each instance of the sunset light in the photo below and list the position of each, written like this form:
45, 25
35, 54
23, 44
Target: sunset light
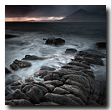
7, 19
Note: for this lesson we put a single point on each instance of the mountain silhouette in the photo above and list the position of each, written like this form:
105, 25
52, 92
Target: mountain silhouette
82, 15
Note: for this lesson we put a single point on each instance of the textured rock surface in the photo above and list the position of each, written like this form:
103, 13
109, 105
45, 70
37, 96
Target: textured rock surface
19, 64
60, 99
73, 84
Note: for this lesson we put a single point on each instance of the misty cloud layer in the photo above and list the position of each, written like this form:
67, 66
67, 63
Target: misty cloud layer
49, 10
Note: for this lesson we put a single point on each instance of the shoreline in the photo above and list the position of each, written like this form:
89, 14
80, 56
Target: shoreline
72, 83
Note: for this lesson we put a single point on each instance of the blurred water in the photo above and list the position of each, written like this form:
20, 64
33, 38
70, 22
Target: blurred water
80, 36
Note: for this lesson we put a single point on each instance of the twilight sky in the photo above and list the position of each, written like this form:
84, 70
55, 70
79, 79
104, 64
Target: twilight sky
46, 12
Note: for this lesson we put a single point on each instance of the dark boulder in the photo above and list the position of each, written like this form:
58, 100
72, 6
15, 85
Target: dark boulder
54, 82
51, 76
10, 36
60, 99
75, 91
30, 79
55, 41
35, 95
40, 73
59, 90
19, 64
33, 57
79, 64
21, 102
17, 94
47, 68
70, 50
100, 45
91, 54
7, 70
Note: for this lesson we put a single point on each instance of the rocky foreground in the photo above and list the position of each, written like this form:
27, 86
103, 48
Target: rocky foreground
71, 85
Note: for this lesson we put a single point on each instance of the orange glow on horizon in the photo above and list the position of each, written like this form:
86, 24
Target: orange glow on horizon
35, 19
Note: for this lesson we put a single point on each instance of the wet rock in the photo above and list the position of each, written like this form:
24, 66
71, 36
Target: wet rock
91, 54
96, 61
95, 97
6, 92
33, 57
9, 103
54, 82
48, 103
35, 95
97, 91
17, 94
7, 70
100, 45
27, 88
44, 38
92, 102
67, 66
77, 68
23, 85
22, 102
15, 84
80, 85
55, 41
76, 91
19, 64
60, 99
30, 79
79, 78
7, 36
50, 87
78, 58
47, 68
79, 64
40, 73
90, 73
51, 76
59, 90
44, 89
8, 97
70, 50
15, 87
77, 99
9, 81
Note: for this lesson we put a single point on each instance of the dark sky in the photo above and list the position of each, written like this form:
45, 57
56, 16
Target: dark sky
49, 10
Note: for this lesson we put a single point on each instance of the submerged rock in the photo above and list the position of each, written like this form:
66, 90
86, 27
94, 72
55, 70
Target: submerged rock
33, 57
55, 41
70, 50
10, 36
100, 45
19, 64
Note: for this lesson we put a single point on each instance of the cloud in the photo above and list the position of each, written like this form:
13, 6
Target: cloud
48, 10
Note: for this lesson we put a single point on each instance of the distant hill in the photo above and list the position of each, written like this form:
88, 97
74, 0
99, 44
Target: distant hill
83, 16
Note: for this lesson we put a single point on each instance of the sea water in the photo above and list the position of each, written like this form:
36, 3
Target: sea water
80, 36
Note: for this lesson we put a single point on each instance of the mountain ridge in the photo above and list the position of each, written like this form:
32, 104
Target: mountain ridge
82, 15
